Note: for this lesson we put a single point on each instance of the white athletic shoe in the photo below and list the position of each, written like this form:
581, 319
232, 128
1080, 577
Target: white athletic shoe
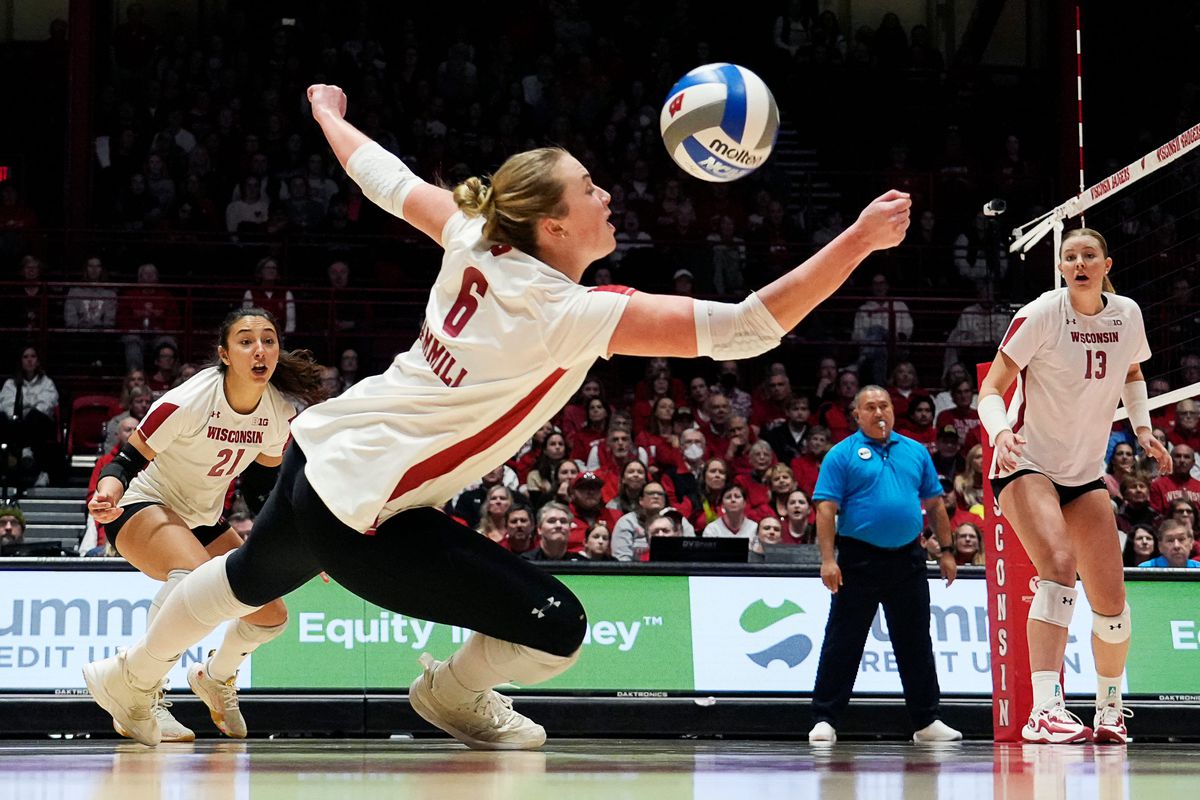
937, 731
822, 733
221, 697
1051, 723
1110, 724
172, 729
486, 723
132, 708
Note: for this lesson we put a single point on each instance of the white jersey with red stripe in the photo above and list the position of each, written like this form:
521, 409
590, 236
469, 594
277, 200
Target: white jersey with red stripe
506, 341
1073, 369
201, 444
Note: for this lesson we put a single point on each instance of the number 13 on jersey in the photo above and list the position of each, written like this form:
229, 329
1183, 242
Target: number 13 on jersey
1097, 364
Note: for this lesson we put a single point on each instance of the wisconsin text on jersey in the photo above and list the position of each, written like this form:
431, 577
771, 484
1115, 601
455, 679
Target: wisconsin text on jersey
1104, 337
438, 357
234, 437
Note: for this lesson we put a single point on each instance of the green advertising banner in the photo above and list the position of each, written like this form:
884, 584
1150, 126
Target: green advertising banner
1164, 652
639, 638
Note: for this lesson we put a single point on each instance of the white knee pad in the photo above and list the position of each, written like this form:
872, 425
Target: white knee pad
1053, 603
1113, 630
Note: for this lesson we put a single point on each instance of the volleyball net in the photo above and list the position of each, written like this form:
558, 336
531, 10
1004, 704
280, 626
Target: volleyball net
1149, 212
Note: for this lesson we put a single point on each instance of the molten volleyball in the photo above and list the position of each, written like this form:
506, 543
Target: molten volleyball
719, 122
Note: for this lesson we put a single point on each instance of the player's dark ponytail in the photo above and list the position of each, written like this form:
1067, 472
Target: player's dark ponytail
297, 374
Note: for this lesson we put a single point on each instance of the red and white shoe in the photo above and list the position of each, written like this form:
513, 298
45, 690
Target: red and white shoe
1051, 723
1110, 724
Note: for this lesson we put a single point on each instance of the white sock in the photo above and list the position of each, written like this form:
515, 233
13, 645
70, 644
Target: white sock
1108, 691
484, 662
199, 603
1046, 688
173, 579
241, 639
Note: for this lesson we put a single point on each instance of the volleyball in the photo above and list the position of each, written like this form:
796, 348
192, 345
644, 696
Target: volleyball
719, 122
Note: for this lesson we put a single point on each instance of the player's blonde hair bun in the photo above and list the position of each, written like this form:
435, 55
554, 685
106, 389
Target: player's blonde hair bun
474, 198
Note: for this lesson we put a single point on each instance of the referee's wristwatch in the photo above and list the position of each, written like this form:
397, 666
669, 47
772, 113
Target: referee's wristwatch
946, 548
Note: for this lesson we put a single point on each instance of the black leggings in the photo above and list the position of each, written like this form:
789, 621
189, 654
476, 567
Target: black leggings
420, 563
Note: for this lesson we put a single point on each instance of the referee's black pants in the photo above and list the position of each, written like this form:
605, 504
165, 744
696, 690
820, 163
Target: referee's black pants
872, 576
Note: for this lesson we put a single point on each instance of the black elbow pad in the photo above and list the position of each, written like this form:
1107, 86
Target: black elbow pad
129, 462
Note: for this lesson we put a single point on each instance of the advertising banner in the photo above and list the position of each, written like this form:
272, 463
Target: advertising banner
639, 636
52, 623
645, 633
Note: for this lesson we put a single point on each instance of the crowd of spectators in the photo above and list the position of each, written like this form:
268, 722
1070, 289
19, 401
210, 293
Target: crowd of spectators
207, 170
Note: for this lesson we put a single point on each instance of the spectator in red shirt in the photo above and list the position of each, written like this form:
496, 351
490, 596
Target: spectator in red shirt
770, 410
611, 457
658, 438
781, 482
807, 465
948, 459
716, 430
1163, 416
737, 445
904, 387
798, 527
756, 480
575, 414
1179, 483
964, 418
918, 425
697, 400
834, 413
645, 389
629, 491
1187, 425
966, 545
591, 433
518, 530
587, 507
146, 314
564, 477
643, 409
267, 295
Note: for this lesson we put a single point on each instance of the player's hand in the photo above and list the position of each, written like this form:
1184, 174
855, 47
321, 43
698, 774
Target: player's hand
949, 567
103, 508
884, 222
1008, 449
1155, 450
831, 575
327, 98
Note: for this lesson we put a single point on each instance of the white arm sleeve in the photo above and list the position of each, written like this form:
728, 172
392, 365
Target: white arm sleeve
729, 331
385, 180
993, 415
1134, 396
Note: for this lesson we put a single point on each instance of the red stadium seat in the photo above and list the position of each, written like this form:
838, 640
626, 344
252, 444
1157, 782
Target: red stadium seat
89, 412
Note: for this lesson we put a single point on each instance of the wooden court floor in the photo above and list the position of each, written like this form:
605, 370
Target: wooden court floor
577, 769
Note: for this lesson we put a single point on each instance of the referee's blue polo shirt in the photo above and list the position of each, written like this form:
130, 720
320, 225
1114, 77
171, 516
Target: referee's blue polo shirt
878, 487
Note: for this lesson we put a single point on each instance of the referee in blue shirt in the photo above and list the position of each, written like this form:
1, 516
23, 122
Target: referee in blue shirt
869, 496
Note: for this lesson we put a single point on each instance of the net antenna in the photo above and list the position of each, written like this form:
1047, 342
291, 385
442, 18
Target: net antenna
1026, 236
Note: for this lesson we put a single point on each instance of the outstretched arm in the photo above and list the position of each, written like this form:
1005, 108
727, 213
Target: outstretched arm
666, 325
384, 179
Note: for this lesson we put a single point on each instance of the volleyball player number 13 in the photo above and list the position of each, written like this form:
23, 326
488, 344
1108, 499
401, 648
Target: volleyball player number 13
1101, 364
